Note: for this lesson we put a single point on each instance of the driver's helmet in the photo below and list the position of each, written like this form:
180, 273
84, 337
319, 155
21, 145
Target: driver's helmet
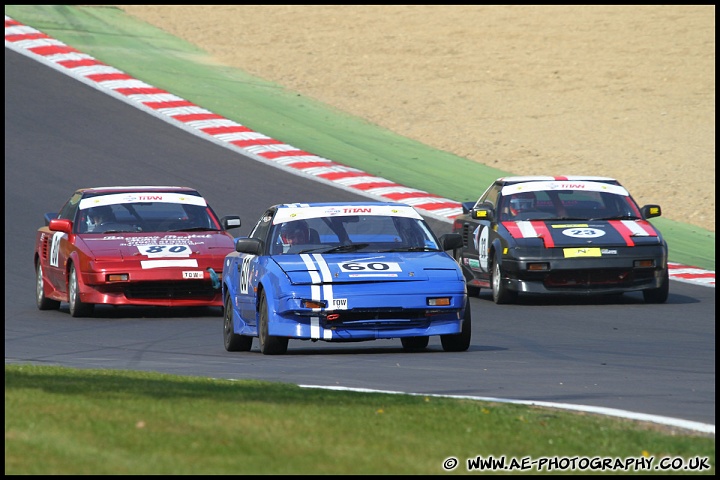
294, 233
96, 216
522, 202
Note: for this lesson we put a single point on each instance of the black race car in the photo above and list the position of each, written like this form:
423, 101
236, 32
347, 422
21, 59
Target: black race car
565, 235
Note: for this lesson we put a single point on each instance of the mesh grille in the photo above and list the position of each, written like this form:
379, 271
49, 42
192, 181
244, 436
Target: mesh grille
165, 290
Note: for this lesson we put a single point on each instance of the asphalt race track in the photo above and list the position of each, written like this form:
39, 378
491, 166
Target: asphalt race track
617, 353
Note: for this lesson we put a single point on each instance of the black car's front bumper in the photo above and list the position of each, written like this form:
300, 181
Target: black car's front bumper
636, 269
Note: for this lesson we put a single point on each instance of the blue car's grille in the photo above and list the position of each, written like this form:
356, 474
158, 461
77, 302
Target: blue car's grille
377, 318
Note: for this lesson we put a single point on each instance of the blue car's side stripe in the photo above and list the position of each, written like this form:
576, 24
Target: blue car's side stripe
326, 278
316, 332
314, 276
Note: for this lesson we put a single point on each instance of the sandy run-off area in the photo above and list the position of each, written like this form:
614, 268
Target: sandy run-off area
620, 91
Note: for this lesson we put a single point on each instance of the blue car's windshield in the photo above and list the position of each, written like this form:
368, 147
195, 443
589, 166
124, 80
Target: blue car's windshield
357, 233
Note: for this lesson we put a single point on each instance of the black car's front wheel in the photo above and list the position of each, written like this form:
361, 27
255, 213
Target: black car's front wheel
660, 294
233, 341
269, 344
500, 292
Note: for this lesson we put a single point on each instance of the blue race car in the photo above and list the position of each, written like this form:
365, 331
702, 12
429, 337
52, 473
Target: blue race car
344, 272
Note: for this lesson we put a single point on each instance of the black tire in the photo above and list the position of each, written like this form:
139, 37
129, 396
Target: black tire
660, 294
459, 342
233, 341
43, 303
501, 294
414, 344
77, 307
269, 345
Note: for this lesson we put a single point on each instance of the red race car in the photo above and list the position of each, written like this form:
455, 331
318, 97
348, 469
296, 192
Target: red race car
136, 245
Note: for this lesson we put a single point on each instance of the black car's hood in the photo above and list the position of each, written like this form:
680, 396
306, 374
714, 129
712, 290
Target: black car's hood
597, 233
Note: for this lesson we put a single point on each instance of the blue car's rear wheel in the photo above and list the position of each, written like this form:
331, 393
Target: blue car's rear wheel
269, 344
233, 341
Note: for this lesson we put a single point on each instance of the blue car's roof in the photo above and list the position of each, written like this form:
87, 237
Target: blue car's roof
296, 211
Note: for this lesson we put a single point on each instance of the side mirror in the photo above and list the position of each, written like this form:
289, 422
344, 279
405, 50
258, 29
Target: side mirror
451, 241
483, 212
651, 211
252, 246
60, 225
230, 221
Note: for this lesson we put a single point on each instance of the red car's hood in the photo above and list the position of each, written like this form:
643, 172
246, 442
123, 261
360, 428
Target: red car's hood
159, 245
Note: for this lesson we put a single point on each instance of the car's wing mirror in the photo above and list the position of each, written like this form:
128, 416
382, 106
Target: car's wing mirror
252, 246
483, 212
60, 225
230, 221
651, 211
451, 241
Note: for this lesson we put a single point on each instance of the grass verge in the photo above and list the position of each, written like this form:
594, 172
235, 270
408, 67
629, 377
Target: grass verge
62, 421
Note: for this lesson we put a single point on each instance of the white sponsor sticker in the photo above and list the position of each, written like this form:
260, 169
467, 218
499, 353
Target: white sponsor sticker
365, 275
55, 248
369, 267
191, 263
338, 304
136, 197
193, 274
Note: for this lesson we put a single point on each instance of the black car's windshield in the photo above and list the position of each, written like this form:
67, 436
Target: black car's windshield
573, 205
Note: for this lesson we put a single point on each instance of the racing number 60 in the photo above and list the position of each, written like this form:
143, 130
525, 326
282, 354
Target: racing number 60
374, 266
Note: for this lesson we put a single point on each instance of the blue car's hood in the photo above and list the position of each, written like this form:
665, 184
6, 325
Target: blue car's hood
364, 267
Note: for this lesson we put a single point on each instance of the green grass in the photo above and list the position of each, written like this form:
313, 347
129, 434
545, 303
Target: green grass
164, 61
63, 421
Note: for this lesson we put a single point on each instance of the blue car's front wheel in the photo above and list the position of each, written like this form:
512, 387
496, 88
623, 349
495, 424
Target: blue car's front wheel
233, 341
269, 344
414, 344
459, 342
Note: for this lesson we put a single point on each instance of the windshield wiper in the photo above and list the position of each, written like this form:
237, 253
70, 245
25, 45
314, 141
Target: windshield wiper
352, 247
617, 217
193, 229
411, 249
